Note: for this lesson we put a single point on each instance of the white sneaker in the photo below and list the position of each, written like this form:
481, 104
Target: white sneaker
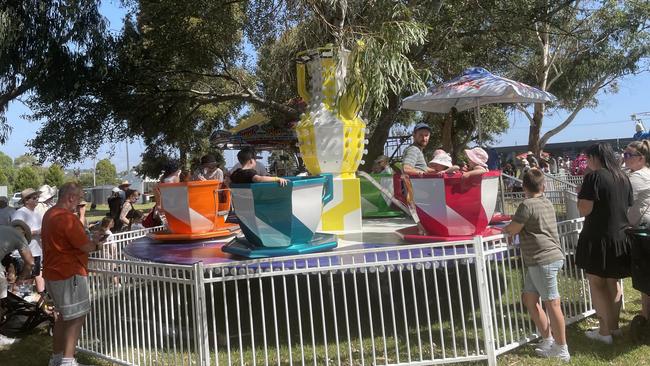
556, 351
5, 341
545, 344
70, 362
596, 336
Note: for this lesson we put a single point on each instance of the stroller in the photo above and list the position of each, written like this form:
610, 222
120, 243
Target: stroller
640, 240
22, 316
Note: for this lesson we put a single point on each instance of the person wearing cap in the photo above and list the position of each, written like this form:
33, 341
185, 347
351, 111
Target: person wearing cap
6, 212
248, 174
477, 161
14, 237
66, 246
413, 160
29, 215
259, 166
442, 164
46, 199
209, 169
381, 165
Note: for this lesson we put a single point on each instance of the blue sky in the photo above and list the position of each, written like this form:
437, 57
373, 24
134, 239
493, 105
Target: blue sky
610, 119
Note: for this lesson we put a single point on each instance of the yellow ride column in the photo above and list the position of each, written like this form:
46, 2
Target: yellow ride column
331, 135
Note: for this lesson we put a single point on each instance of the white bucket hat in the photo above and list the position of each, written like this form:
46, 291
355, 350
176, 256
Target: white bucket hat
47, 192
443, 159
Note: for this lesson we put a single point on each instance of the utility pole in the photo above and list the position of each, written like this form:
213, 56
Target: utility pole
128, 165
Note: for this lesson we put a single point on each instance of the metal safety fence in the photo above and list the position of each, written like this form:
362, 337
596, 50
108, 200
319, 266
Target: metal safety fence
392, 305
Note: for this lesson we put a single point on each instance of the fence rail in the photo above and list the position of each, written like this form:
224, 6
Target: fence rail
395, 305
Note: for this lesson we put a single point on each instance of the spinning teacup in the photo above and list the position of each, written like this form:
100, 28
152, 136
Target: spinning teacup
452, 205
195, 207
274, 216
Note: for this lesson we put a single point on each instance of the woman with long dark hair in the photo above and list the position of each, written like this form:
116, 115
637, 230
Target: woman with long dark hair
603, 249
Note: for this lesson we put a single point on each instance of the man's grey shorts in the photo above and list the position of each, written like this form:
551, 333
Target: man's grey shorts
542, 280
71, 296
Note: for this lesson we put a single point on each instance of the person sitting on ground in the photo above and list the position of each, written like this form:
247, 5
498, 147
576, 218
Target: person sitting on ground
441, 163
543, 257
247, 172
381, 165
208, 170
15, 236
477, 160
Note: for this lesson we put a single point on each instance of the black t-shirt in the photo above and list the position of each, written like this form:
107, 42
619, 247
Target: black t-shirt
608, 219
243, 175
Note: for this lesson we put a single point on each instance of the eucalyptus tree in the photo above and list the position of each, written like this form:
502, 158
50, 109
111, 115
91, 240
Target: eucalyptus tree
573, 49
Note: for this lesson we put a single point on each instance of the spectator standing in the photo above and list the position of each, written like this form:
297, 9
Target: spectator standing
6, 212
637, 159
66, 247
28, 214
114, 207
46, 199
603, 250
14, 237
208, 170
543, 257
413, 161
128, 211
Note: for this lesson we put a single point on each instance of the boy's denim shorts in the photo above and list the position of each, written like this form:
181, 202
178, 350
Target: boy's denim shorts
542, 280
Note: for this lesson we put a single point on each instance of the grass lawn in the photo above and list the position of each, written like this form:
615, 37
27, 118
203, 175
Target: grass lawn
35, 349
101, 210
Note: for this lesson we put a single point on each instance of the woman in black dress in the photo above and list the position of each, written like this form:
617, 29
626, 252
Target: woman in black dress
603, 250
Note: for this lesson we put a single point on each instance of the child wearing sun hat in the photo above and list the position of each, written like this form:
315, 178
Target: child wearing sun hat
477, 160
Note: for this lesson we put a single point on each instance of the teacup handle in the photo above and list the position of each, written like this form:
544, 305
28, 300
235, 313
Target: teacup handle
217, 201
328, 192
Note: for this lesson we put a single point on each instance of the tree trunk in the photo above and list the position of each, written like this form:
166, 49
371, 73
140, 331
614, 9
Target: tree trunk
535, 128
380, 134
447, 127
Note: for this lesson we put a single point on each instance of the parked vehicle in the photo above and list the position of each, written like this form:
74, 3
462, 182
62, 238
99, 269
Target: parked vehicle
15, 200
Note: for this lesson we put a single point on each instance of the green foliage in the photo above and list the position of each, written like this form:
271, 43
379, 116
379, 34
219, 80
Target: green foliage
86, 179
26, 177
105, 173
25, 160
54, 176
45, 47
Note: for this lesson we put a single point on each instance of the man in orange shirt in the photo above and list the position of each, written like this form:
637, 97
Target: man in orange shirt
65, 252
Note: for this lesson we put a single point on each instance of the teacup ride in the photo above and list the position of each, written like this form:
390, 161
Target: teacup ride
374, 203
449, 207
279, 221
195, 210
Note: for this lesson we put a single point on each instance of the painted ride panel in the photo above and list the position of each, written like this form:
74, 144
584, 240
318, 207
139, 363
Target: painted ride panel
452, 205
373, 202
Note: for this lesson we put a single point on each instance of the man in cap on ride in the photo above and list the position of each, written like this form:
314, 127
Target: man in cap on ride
413, 161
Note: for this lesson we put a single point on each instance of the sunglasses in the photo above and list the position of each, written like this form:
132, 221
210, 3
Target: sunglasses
627, 155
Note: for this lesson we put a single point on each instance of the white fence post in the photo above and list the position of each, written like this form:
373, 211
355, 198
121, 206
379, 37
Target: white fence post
200, 316
484, 300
